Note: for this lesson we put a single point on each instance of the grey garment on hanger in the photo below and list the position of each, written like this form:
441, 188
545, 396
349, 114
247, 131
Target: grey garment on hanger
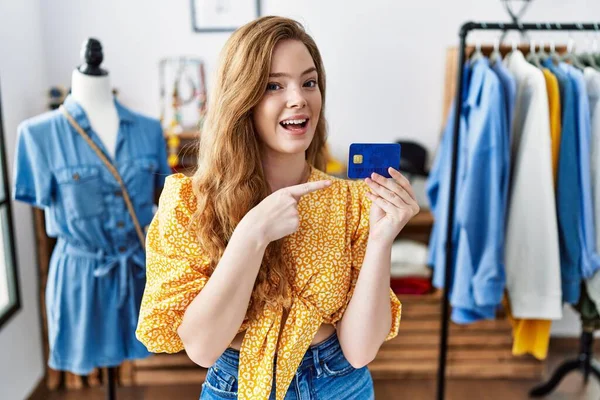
593, 289
588, 310
592, 81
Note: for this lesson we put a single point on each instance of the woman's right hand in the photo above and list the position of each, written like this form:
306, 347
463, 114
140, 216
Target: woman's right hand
277, 215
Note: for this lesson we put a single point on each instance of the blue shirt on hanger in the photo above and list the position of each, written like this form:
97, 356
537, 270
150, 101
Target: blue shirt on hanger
590, 261
509, 85
97, 270
478, 231
568, 190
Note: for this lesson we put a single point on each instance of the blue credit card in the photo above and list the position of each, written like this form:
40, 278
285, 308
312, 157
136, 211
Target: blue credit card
366, 158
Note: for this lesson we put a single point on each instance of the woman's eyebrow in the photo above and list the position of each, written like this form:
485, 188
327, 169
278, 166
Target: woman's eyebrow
283, 74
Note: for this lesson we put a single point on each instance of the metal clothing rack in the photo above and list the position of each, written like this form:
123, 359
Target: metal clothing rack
585, 361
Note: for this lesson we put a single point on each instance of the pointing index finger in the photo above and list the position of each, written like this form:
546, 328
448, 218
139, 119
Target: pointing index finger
298, 191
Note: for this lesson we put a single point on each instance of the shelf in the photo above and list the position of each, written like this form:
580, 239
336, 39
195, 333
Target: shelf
187, 134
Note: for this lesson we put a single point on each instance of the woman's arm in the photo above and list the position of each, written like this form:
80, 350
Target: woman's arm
214, 317
368, 317
367, 320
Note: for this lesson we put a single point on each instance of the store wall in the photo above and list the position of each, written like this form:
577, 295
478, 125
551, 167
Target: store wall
23, 85
384, 58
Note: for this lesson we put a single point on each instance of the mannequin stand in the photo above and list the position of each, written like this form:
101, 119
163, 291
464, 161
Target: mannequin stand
111, 392
585, 363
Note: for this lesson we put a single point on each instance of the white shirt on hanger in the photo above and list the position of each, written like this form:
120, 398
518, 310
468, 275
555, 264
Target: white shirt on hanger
532, 252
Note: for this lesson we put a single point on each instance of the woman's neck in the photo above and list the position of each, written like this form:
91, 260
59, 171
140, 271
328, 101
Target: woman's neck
284, 172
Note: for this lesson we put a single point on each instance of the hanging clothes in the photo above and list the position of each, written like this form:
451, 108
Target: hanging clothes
411, 285
592, 79
532, 336
588, 311
532, 248
478, 232
510, 94
568, 189
590, 261
553, 93
409, 259
547, 247
97, 270
509, 86
593, 289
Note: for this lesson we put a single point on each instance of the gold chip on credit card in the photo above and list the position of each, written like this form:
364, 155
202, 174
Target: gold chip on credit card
357, 159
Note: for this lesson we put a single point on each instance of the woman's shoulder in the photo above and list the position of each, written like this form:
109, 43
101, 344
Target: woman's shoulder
348, 195
170, 231
178, 194
353, 189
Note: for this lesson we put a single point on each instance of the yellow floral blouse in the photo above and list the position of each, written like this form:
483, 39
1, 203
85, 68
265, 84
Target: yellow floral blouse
326, 253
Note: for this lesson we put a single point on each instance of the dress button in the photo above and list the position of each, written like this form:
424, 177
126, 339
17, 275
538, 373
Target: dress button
118, 193
120, 224
122, 249
76, 176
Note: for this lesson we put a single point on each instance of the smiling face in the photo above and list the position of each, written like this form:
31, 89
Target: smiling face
287, 115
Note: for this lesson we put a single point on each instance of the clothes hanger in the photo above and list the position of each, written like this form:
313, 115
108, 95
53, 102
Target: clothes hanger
477, 54
595, 52
587, 57
553, 55
532, 57
570, 56
496, 55
584, 55
513, 50
542, 55
523, 38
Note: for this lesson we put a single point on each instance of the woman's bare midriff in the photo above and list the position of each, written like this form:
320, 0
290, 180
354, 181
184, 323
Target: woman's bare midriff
325, 330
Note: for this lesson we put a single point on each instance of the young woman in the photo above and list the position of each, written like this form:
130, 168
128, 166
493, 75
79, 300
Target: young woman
262, 267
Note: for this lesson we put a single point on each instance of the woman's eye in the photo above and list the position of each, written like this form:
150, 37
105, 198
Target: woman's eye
311, 84
273, 86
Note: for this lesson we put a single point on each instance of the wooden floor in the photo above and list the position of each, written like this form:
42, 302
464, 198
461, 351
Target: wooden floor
571, 388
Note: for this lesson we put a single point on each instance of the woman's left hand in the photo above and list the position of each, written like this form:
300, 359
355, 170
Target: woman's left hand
394, 204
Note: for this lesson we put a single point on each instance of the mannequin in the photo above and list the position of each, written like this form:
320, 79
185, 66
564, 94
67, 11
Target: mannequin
96, 275
90, 87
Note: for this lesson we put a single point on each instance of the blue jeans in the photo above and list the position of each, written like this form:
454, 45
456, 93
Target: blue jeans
323, 374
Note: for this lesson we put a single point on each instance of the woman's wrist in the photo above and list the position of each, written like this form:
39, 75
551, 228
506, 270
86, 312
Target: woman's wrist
380, 244
252, 231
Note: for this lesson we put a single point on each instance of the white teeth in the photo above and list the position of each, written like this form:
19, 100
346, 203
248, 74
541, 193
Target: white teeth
294, 121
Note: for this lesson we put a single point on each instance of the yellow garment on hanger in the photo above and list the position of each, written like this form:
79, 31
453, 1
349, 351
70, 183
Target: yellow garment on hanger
532, 336
555, 120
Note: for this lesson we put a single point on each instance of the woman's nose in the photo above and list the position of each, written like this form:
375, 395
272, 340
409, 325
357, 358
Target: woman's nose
296, 99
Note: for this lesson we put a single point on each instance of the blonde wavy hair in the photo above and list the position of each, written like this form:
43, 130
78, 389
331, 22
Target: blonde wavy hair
230, 180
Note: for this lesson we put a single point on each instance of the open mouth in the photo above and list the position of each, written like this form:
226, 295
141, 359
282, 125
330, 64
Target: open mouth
294, 124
